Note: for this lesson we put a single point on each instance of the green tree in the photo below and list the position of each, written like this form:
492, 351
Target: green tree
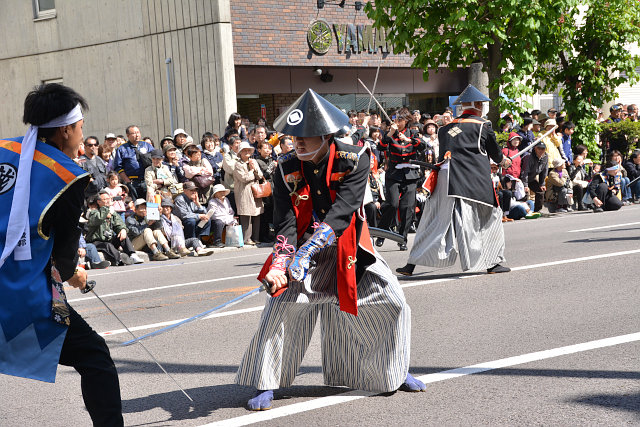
593, 58
508, 37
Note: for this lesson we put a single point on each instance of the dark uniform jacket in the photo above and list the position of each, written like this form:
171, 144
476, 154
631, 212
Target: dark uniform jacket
302, 197
471, 141
398, 151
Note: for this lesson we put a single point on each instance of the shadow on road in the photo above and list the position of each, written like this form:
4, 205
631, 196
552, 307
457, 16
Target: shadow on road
429, 276
603, 239
621, 402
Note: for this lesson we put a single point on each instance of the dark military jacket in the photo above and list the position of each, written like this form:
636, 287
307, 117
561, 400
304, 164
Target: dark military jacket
471, 142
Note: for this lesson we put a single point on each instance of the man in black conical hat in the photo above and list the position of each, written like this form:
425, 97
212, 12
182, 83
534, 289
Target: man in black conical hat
323, 262
463, 217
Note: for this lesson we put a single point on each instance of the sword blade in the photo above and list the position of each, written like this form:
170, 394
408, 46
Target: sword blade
373, 90
530, 146
142, 345
374, 98
234, 301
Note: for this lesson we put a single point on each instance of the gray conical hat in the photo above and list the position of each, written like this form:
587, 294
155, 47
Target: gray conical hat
471, 94
311, 115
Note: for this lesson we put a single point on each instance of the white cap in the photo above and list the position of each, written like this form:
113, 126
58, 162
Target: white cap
179, 131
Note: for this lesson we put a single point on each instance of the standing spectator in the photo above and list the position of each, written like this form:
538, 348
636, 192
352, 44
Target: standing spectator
229, 160
173, 163
198, 167
552, 113
535, 166
249, 208
553, 143
632, 111
210, 144
399, 146
235, 124
604, 188
579, 181
145, 233
431, 132
286, 144
416, 115
192, 213
108, 232
223, 214
261, 136
92, 163
615, 113
110, 142
172, 228
632, 166
180, 137
159, 179
165, 141
513, 147
567, 130
114, 189
130, 161
526, 134
267, 166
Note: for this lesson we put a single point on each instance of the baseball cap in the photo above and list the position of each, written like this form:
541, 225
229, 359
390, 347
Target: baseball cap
157, 154
179, 131
140, 202
110, 136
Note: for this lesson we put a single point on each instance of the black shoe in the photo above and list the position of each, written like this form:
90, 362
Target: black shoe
125, 259
596, 210
498, 269
407, 270
412, 227
402, 246
379, 242
100, 265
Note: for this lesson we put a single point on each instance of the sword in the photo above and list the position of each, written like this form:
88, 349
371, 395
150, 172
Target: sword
374, 98
375, 82
634, 180
264, 287
530, 146
386, 234
89, 288
425, 165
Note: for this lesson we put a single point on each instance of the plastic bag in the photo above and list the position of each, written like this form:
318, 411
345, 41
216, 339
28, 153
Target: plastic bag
234, 236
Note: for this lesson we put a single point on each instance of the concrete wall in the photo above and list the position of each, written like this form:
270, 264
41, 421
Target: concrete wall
113, 53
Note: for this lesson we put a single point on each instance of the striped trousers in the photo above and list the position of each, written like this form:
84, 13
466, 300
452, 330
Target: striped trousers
366, 352
452, 227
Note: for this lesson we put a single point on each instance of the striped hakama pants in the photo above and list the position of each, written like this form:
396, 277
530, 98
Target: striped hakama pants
452, 227
369, 351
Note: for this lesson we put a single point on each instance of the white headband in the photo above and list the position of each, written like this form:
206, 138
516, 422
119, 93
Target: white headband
18, 226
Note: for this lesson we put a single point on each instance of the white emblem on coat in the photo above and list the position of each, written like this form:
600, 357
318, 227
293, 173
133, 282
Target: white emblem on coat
454, 131
8, 175
295, 117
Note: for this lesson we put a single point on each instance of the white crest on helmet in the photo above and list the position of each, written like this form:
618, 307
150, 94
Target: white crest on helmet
295, 117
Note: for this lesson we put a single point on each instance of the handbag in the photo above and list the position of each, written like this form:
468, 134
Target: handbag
261, 189
203, 181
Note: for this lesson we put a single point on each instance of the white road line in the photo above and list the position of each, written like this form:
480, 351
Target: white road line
173, 264
603, 227
405, 285
323, 402
177, 285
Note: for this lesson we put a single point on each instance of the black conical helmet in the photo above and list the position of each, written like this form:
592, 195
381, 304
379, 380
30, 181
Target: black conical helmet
471, 94
311, 115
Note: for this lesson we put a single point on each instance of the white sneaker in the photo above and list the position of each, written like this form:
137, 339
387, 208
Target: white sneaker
136, 258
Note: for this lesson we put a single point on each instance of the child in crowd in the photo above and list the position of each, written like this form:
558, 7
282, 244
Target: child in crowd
117, 194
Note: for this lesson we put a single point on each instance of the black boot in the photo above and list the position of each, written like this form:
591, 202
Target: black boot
498, 269
407, 270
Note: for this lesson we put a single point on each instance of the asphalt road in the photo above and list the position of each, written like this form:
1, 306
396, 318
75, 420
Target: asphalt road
557, 340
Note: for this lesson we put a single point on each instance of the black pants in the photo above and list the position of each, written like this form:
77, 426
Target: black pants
139, 187
535, 187
265, 219
578, 195
504, 196
406, 203
216, 229
86, 352
610, 201
110, 249
371, 211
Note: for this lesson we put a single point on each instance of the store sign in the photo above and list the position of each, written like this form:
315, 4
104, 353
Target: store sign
349, 38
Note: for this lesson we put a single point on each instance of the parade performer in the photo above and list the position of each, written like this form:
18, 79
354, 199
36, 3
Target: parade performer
41, 199
462, 218
399, 146
319, 220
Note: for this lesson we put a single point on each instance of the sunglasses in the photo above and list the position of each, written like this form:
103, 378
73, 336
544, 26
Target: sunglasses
91, 145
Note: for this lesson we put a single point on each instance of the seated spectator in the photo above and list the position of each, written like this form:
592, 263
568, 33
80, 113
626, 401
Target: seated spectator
210, 145
632, 166
117, 193
160, 181
92, 163
199, 171
534, 172
557, 192
604, 188
172, 229
192, 214
504, 195
172, 160
107, 230
520, 205
513, 147
579, 181
616, 157
89, 253
245, 173
223, 214
147, 234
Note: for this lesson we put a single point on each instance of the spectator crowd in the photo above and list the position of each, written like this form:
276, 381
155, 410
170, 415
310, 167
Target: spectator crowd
185, 196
